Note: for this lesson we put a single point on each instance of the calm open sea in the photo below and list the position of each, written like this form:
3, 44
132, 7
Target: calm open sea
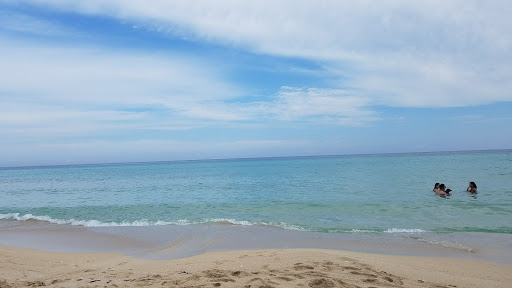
382, 194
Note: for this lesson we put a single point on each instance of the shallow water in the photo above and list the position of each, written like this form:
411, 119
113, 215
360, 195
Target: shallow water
379, 193
177, 241
386, 195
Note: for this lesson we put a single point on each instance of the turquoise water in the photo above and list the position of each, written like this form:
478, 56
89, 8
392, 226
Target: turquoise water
389, 193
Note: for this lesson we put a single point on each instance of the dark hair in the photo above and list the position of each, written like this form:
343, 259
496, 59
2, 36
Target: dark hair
472, 184
435, 185
442, 186
448, 190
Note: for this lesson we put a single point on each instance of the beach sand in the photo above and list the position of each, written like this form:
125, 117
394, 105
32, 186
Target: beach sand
20, 267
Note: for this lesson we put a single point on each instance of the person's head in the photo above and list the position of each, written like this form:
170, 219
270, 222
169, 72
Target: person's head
436, 186
448, 190
472, 185
442, 187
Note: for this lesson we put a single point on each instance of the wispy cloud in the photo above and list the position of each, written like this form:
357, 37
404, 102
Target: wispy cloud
19, 23
90, 75
417, 54
335, 105
71, 87
52, 91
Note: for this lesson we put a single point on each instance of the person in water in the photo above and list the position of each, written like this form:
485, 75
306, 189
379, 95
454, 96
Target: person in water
442, 190
472, 187
436, 186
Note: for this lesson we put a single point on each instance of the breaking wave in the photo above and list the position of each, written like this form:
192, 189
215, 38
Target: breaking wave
218, 221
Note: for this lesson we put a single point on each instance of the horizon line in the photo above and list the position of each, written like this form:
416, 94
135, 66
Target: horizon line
254, 158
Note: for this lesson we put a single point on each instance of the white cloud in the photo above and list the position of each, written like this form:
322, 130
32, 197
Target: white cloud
22, 23
53, 91
89, 76
404, 53
334, 105
390, 53
434, 82
44, 85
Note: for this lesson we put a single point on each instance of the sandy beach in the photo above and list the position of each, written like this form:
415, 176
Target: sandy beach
20, 267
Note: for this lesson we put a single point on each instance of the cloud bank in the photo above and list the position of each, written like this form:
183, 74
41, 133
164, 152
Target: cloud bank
401, 53
64, 88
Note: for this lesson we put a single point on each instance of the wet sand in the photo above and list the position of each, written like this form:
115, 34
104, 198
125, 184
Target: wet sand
174, 241
35, 253
22, 267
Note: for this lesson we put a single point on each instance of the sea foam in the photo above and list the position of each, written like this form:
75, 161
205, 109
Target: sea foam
88, 223
140, 223
218, 221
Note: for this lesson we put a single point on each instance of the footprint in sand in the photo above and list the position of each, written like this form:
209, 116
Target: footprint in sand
298, 276
300, 266
321, 283
56, 281
239, 274
363, 274
258, 282
214, 273
284, 278
351, 268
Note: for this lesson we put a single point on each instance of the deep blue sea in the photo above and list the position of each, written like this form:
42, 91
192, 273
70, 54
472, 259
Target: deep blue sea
388, 193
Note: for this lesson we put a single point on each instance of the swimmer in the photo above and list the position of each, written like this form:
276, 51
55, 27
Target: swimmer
472, 187
442, 190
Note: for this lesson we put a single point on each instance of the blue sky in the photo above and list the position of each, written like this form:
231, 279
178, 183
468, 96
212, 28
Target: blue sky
121, 81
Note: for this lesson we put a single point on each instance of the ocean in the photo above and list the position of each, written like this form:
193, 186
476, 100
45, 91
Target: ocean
384, 198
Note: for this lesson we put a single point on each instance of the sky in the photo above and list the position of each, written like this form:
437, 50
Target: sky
92, 81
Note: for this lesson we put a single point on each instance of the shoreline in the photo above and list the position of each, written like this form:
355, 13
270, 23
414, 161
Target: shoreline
175, 241
23, 267
35, 253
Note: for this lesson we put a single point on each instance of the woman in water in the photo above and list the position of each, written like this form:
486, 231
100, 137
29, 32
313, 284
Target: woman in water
442, 190
472, 187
